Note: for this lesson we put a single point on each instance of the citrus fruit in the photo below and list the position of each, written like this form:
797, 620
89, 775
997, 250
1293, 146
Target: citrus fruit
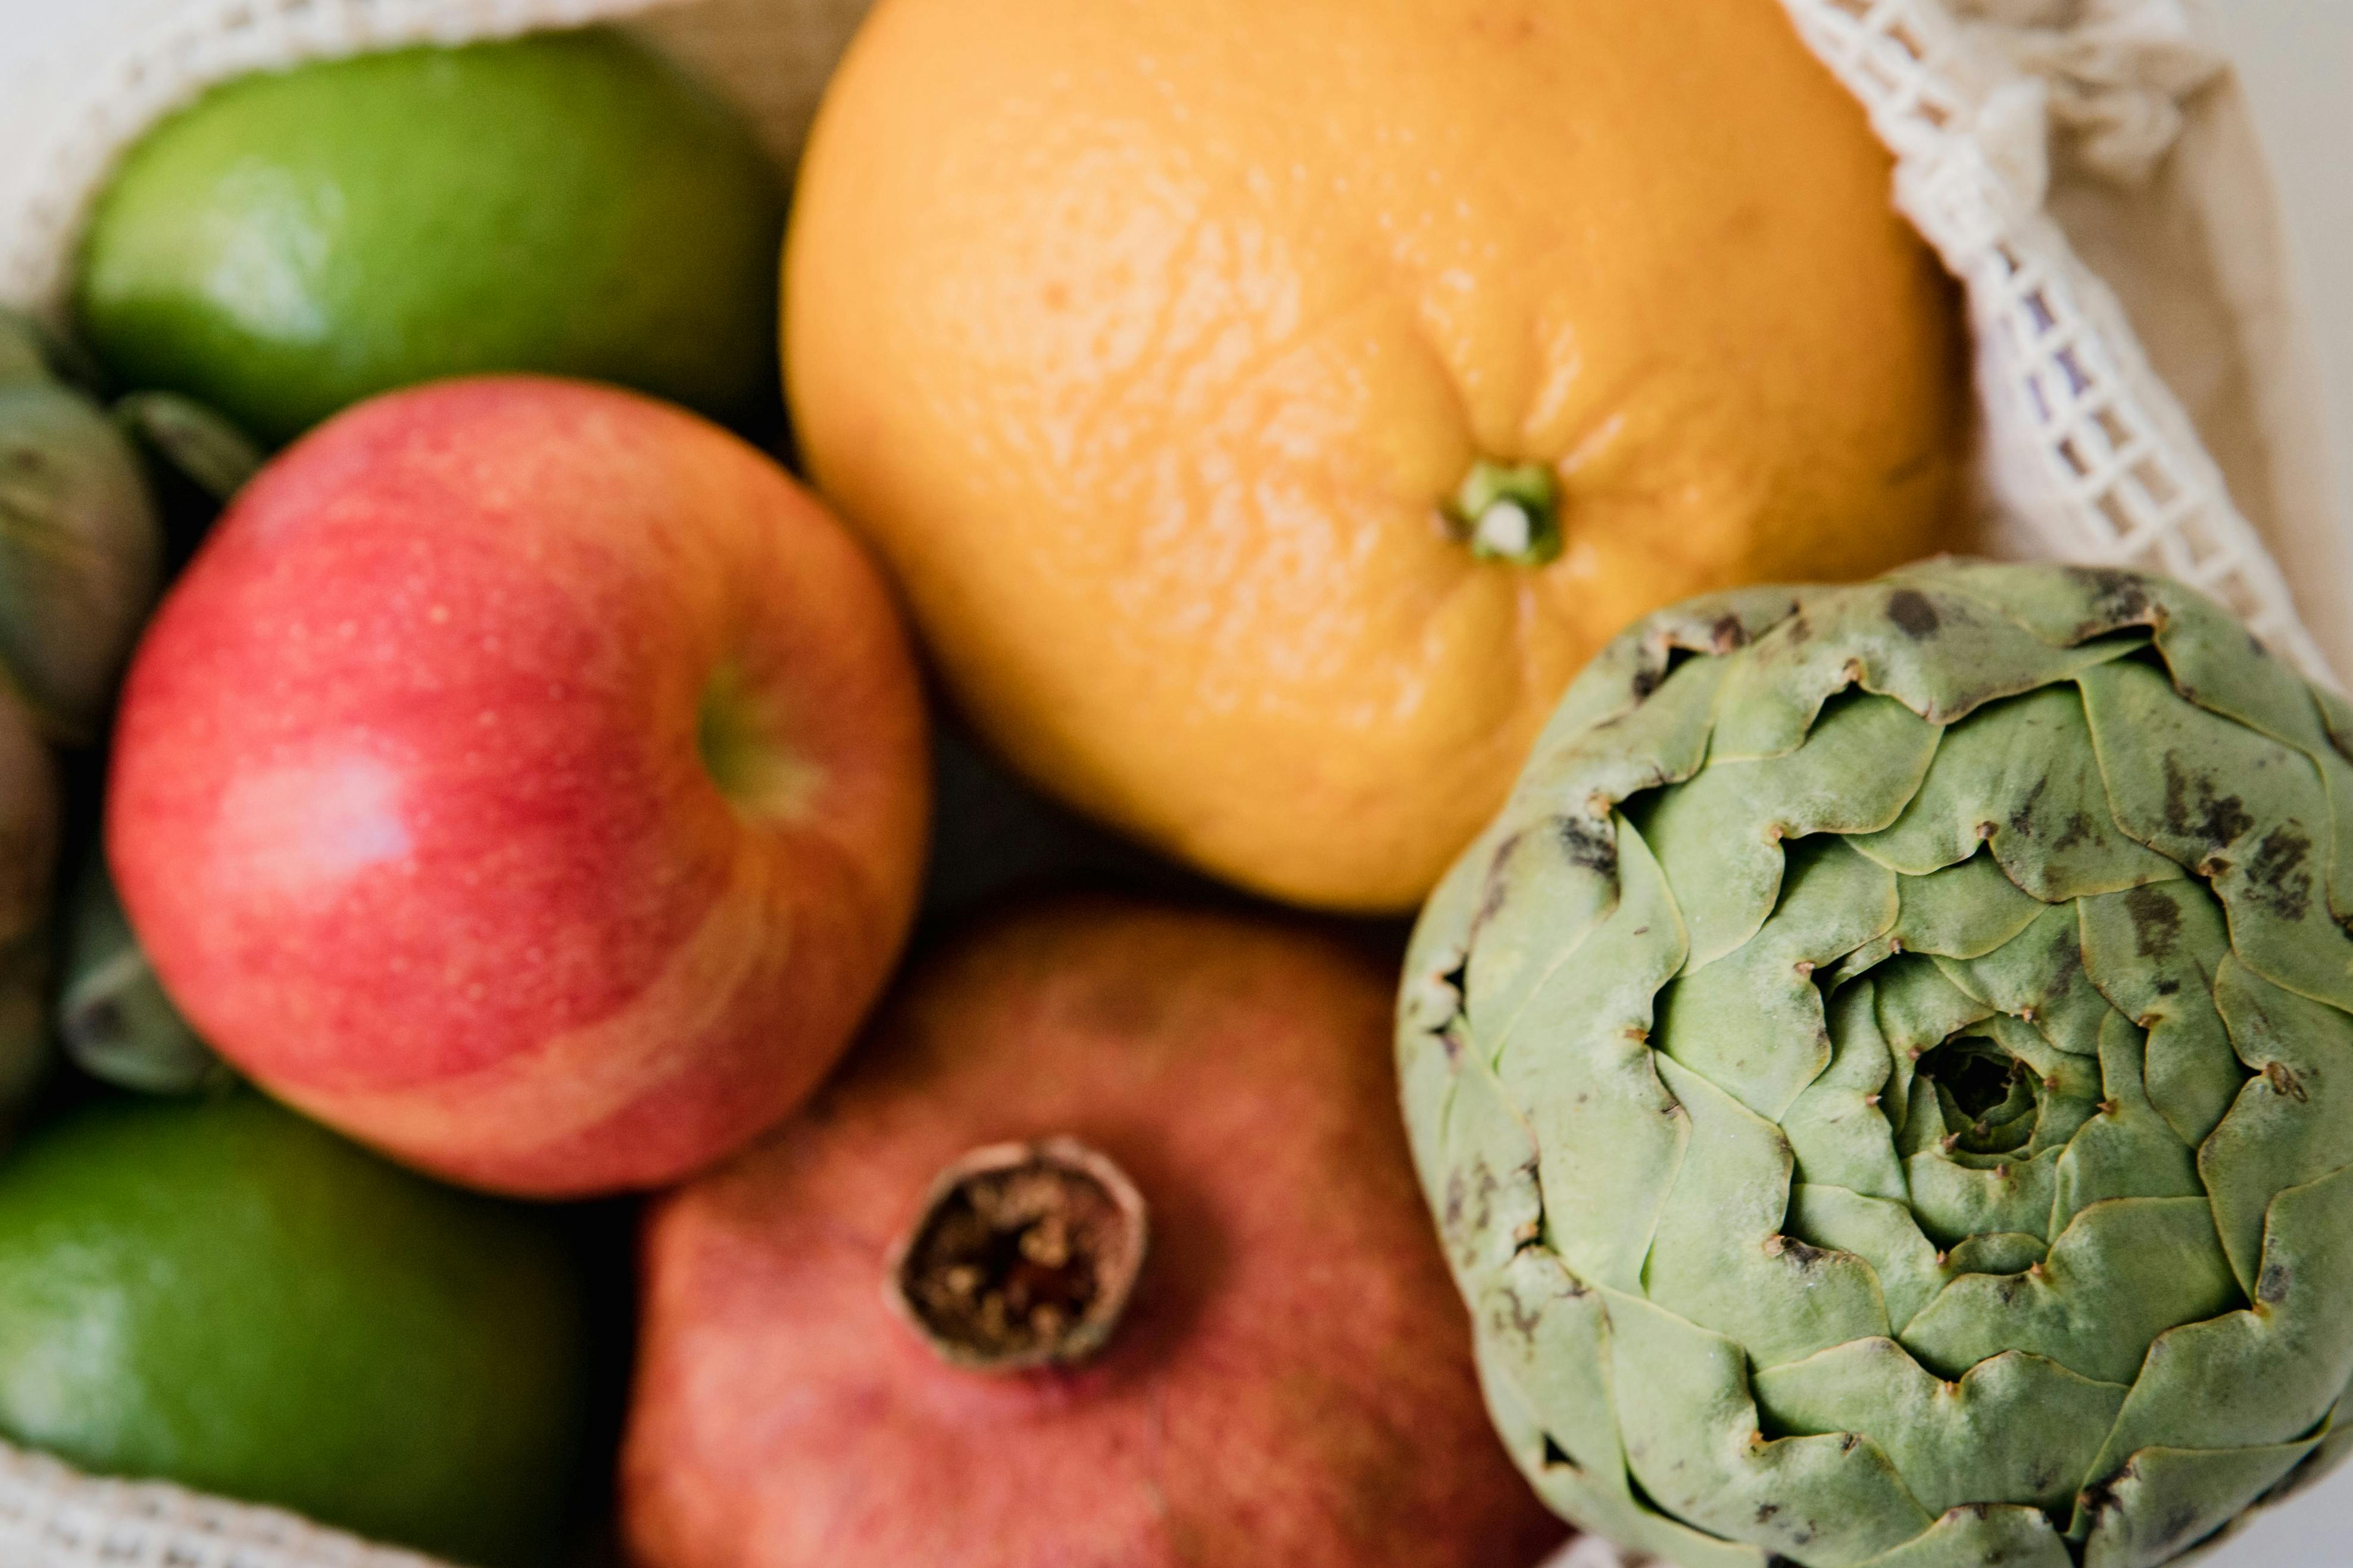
1267, 408
568, 203
214, 1292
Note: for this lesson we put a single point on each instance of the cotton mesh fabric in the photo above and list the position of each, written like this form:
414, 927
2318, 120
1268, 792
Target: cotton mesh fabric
2089, 455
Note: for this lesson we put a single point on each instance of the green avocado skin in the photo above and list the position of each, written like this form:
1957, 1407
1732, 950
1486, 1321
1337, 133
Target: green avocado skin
567, 203
218, 1293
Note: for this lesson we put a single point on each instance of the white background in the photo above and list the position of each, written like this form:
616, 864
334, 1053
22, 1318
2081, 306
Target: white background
2297, 58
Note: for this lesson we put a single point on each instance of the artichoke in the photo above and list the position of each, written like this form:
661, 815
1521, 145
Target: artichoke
29, 824
113, 1016
81, 553
1879, 1079
22, 351
193, 439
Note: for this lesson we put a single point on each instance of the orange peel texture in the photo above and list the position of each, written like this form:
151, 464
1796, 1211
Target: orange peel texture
1151, 343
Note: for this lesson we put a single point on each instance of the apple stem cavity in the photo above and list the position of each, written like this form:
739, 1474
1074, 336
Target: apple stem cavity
1508, 511
744, 754
1023, 1255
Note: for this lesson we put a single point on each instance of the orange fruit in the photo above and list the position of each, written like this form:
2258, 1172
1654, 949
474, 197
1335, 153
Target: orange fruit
1157, 345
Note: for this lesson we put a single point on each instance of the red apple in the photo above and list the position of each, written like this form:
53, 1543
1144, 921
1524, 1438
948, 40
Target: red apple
1288, 1383
528, 779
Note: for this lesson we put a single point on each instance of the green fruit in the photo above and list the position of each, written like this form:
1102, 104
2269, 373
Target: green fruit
565, 202
216, 1292
1887, 1078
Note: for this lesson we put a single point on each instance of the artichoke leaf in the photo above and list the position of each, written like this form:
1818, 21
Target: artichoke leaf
2153, 953
1548, 888
82, 554
1554, 876
1429, 1027
1939, 653
2329, 1446
24, 1040
1752, 1023
1571, 1494
1550, 1336
2337, 782
1637, 661
2016, 1428
1597, 1500
1693, 1440
1965, 911
1660, 741
113, 1016
2247, 811
1719, 836
2121, 1274
1919, 1005
1437, 958
1905, 1264
29, 825
2331, 1451
2336, 773
1955, 1202
1996, 1252
2268, 1373
1489, 1207
1720, 1258
2039, 976
2293, 1122
2169, 1501
2060, 1075
1626, 1521
1611, 1134
1993, 1534
1924, 1123
2337, 717
2216, 666
23, 355
1425, 1066
1838, 1132
2019, 778
195, 438
2127, 1150
2065, 606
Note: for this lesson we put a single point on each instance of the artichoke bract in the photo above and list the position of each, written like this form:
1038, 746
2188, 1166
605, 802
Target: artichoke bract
82, 554
1886, 1078
113, 1017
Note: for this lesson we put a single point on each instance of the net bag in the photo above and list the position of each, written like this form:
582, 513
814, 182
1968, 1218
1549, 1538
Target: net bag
2081, 167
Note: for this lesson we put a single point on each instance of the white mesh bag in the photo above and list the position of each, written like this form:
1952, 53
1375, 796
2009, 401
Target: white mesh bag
2083, 166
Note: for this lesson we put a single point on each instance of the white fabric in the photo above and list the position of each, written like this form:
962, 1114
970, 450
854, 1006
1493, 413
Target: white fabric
2115, 70
52, 1518
2089, 455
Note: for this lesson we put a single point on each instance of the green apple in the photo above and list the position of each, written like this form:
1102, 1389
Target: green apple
567, 203
216, 1292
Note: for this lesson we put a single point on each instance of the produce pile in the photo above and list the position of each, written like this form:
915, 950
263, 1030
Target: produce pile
518, 1039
